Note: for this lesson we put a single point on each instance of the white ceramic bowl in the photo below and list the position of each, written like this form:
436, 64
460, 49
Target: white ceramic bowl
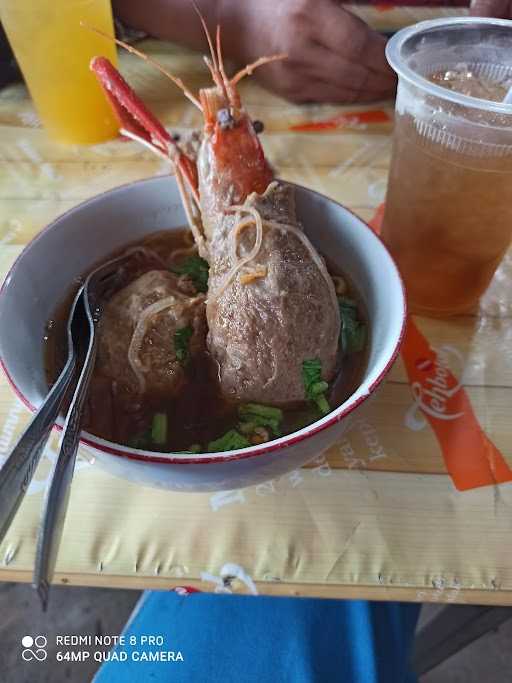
88, 233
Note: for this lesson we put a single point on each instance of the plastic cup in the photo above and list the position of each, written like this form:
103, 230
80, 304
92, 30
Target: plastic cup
54, 52
448, 218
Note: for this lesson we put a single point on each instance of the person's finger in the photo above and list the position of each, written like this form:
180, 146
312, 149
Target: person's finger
345, 34
345, 73
325, 92
501, 9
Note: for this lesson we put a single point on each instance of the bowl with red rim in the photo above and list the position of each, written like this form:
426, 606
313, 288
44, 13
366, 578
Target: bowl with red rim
90, 232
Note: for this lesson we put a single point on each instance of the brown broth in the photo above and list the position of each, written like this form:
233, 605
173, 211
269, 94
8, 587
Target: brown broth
200, 414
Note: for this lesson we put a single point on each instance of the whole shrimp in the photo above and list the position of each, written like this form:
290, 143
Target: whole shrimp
271, 303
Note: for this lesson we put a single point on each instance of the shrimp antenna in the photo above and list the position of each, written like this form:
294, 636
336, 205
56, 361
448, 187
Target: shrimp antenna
212, 69
247, 70
206, 33
212, 63
220, 59
177, 81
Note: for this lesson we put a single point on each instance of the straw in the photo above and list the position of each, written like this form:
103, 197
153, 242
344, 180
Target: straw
508, 97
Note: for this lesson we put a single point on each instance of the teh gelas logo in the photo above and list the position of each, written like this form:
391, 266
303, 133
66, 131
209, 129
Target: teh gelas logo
436, 393
34, 648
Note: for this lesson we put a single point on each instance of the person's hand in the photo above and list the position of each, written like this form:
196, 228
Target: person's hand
333, 56
500, 9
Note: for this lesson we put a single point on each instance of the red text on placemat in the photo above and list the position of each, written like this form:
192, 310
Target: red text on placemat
353, 119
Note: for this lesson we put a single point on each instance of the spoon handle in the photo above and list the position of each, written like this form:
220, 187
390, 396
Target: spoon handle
17, 471
57, 496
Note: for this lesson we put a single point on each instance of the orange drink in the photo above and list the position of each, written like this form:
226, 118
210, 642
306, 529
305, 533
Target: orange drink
53, 51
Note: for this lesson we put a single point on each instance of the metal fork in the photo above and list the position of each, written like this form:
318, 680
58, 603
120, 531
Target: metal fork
83, 329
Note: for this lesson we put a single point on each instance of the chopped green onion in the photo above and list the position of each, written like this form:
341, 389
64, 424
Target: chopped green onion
314, 385
353, 331
197, 270
247, 427
269, 412
181, 342
318, 388
254, 415
195, 448
347, 302
322, 404
230, 441
159, 428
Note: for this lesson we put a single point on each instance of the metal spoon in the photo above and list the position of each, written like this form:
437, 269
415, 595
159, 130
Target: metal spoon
16, 473
87, 315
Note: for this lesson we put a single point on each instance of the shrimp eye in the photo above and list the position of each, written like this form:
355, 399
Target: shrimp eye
258, 127
225, 119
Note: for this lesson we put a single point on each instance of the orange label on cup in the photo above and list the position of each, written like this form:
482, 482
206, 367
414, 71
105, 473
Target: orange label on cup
376, 222
471, 459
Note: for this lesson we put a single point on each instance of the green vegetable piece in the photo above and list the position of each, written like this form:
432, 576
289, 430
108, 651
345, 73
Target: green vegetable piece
314, 385
347, 302
318, 388
263, 411
322, 404
254, 415
195, 448
353, 331
311, 374
197, 270
159, 429
230, 441
181, 343
247, 427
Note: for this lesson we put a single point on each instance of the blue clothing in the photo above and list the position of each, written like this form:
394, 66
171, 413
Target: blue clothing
246, 639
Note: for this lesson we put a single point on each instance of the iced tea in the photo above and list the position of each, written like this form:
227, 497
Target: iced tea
448, 219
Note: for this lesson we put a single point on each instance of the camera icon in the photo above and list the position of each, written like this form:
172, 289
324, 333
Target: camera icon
34, 648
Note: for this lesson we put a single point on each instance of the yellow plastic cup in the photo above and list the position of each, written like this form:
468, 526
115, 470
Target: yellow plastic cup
53, 51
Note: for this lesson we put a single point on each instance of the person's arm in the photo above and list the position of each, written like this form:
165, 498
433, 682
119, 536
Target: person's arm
333, 56
501, 9
174, 20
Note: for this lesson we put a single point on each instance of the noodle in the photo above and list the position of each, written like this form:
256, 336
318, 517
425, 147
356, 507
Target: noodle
147, 252
241, 262
256, 274
141, 329
317, 259
188, 239
192, 219
182, 251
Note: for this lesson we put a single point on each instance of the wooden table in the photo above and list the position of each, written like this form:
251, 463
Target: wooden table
377, 516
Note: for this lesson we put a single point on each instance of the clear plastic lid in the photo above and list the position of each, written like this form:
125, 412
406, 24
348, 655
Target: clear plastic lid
484, 45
